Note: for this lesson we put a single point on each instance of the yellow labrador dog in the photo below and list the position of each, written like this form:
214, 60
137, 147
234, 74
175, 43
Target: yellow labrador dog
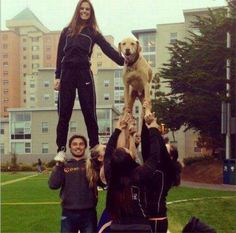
137, 75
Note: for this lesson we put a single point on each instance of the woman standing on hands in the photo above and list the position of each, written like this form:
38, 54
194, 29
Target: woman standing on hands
73, 72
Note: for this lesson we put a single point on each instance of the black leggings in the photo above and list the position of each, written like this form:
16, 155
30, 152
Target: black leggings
159, 226
82, 80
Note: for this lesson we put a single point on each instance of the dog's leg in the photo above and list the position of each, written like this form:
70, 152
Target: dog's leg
132, 97
126, 98
148, 99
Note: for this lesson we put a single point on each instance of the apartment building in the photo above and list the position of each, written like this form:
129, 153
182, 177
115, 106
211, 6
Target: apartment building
9, 71
4, 136
32, 132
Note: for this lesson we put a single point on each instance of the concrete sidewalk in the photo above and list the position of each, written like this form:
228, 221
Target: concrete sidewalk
222, 187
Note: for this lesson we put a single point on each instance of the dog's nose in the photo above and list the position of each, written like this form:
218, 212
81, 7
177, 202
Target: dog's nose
127, 51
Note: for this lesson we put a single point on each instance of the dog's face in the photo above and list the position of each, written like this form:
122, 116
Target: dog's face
129, 46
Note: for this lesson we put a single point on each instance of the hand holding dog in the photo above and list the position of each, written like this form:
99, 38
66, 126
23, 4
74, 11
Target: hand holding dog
122, 123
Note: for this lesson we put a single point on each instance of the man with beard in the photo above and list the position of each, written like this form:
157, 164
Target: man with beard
78, 198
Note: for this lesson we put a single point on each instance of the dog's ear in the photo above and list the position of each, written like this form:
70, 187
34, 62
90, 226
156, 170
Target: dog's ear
139, 48
119, 48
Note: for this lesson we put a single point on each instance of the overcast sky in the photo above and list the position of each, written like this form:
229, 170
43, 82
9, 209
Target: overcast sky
115, 17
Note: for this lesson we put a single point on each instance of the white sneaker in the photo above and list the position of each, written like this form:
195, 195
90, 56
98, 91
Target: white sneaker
60, 156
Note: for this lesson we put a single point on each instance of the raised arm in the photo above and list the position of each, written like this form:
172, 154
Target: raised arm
112, 144
153, 159
57, 176
145, 142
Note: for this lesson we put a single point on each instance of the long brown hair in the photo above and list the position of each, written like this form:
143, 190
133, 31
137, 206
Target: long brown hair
119, 197
77, 24
93, 166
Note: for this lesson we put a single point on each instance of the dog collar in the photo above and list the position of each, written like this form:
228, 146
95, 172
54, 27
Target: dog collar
130, 63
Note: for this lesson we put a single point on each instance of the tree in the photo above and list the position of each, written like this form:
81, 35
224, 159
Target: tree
163, 106
196, 75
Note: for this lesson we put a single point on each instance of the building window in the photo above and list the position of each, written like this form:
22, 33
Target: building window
5, 64
35, 48
24, 65
24, 57
136, 109
4, 46
148, 42
46, 97
73, 126
27, 147
20, 125
173, 37
99, 64
5, 73
46, 83
104, 121
5, 100
5, 91
48, 57
32, 98
118, 73
24, 40
106, 96
35, 57
5, 82
24, 48
45, 148
21, 147
56, 98
5, 55
32, 84
44, 127
48, 49
2, 152
1, 131
99, 55
35, 65
106, 83
35, 39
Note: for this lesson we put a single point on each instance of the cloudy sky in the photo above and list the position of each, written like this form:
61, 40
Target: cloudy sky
115, 17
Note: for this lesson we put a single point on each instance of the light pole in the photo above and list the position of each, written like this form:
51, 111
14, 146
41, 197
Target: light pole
228, 105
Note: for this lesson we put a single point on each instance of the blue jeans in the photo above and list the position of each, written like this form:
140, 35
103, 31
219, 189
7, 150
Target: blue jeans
84, 221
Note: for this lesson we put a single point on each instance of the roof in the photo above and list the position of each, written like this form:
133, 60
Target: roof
26, 14
141, 31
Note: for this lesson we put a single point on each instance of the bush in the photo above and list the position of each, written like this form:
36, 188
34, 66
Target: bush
190, 160
5, 167
51, 164
27, 168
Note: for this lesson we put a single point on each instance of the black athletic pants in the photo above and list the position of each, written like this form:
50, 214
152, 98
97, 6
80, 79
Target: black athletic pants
81, 79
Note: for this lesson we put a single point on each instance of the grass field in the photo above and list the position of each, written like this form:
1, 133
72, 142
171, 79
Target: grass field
30, 206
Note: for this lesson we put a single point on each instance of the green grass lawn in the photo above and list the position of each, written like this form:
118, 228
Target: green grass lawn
30, 206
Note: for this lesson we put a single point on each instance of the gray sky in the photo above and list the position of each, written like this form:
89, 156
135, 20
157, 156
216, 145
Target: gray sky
115, 17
